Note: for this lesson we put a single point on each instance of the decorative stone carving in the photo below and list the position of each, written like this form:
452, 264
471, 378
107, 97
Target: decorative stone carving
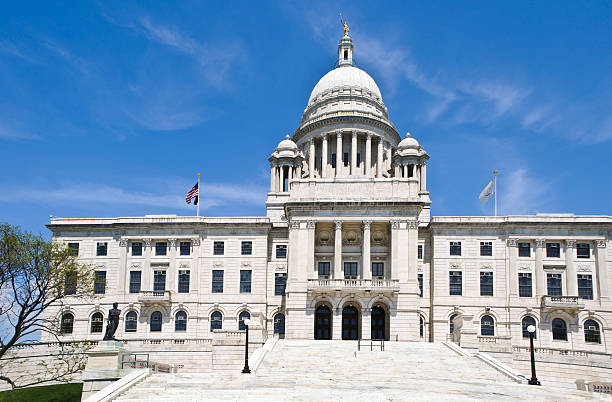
601, 243
486, 266
524, 267
283, 217
584, 268
511, 242
324, 237
217, 264
311, 224
540, 242
454, 265
413, 224
351, 238
338, 225
172, 242
378, 238
196, 242
135, 266
147, 242
123, 242
184, 266
395, 224
570, 243
367, 225
294, 225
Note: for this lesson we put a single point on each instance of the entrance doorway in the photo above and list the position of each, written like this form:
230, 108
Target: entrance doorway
379, 325
350, 323
279, 325
322, 323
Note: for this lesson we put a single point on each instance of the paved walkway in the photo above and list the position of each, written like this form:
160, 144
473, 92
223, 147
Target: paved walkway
335, 371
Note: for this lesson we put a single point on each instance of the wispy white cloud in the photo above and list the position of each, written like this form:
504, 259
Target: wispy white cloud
522, 193
10, 48
78, 63
9, 132
101, 194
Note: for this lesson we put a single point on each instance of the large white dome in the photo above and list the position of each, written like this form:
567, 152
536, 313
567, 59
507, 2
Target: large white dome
343, 77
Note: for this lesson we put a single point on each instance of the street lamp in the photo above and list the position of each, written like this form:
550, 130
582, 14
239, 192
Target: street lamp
246, 369
533, 380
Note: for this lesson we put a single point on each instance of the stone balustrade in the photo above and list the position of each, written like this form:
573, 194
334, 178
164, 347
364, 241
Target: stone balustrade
354, 189
379, 285
155, 296
562, 303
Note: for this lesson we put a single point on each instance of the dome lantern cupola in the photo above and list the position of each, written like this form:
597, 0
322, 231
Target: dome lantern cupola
345, 52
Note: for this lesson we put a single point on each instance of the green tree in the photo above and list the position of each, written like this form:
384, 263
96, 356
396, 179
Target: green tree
35, 274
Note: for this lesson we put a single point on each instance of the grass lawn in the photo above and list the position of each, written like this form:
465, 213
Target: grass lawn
48, 393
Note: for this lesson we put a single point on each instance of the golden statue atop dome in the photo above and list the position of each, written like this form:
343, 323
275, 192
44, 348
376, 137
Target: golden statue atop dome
344, 25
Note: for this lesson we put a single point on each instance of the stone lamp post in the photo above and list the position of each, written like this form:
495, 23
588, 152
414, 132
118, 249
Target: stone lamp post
246, 369
533, 380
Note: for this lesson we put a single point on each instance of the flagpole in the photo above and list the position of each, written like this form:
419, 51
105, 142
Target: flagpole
198, 207
495, 180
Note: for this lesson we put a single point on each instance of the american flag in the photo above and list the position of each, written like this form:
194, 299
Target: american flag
193, 193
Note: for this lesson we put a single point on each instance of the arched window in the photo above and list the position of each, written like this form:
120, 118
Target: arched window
487, 326
591, 331
451, 324
156, 321
421, 324
216, 320
131, 321
67, 323
97, 321
243, 316
527, 321
180, 321
559, 329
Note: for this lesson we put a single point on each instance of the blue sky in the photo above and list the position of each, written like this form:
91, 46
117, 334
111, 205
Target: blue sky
109, 109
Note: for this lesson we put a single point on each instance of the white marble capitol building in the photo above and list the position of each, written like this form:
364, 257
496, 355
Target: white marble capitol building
348, 249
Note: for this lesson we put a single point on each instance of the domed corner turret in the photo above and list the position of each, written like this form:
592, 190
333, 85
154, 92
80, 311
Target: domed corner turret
410, 161
285, 164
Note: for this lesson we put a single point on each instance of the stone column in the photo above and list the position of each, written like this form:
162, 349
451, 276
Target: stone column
171, 274
424, 176
389, 155
413, 242
279, 187
311, 159
324, 157
195, 266
602, 268
570, 269
368, 154
367, 266
379, 158
354, 153
338, 251
310, 226
513, 276
272, 178
339, 162
282, 179
366, 324
146, 280
540, 276
292, 253
123, 271
395, 246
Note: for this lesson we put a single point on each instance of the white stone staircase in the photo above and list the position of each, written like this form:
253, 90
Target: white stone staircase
335, 371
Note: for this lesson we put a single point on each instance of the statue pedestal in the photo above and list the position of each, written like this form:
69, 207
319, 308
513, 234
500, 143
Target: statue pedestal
103, 366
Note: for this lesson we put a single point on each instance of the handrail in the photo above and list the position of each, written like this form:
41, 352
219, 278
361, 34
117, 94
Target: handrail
135, 363
382, 344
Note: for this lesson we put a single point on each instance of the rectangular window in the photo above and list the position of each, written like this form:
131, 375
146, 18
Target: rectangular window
281, 251
245, 281
583, 250
333, 161
183, 281
217, 281
378, 270
74, 249
486, 248
585, 287
525, 286
161, 248
280, 282
350, 270
420, 278
70, 284
324, 270
100, 283
553, 250
524, 249
101, 249
136, 249
345, 159
135, 281
455, 283
159, 281
455, 248
185, 248
246, 248
486, 283
554, 283
218, 248
420, 252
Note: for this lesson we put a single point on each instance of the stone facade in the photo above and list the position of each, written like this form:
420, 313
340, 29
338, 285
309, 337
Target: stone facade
349, 230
